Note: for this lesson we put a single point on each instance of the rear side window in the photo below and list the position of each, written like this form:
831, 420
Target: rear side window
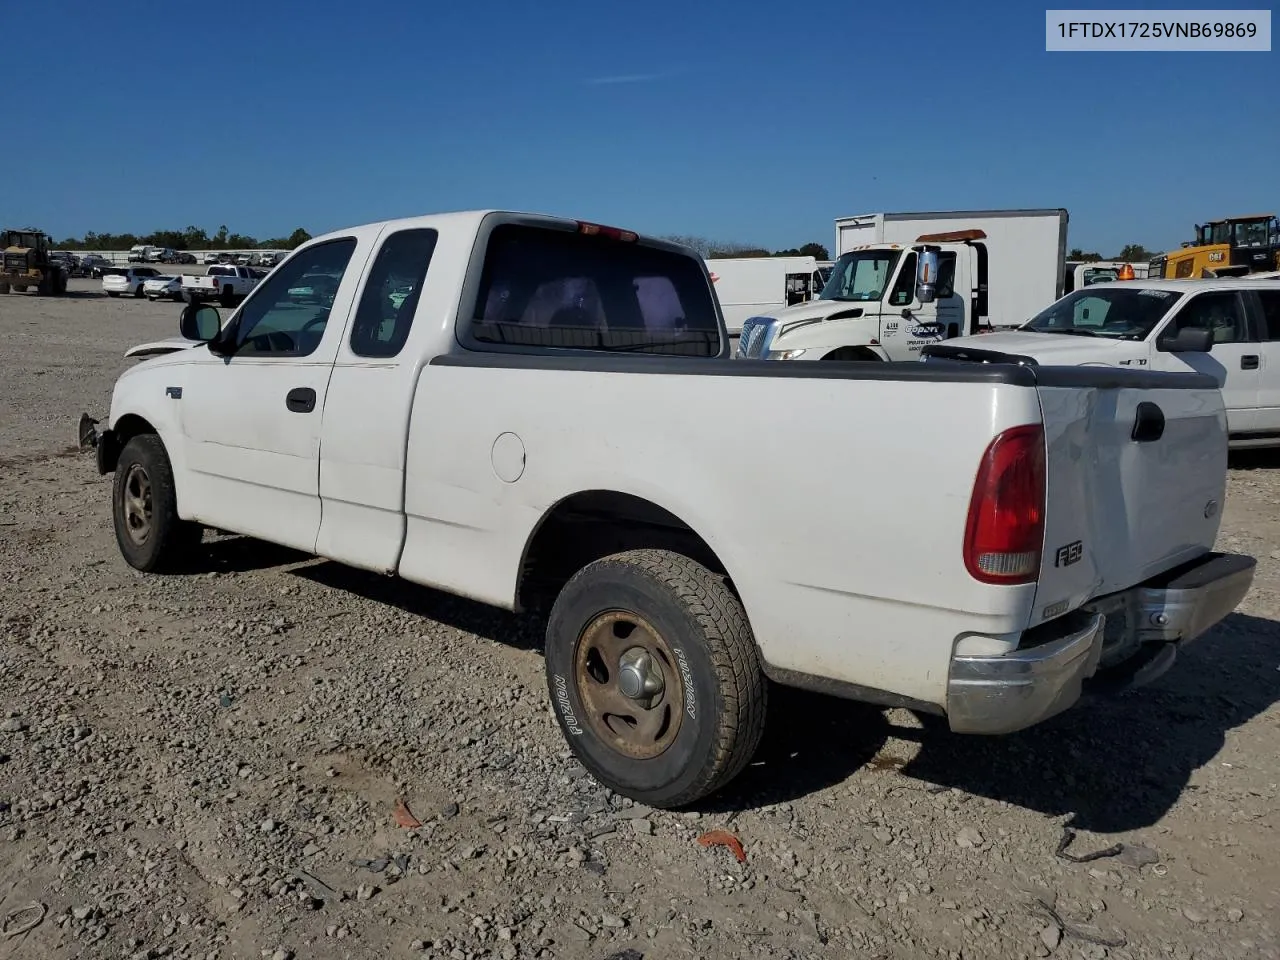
391, 293
1270, 300
1218, 311
548, 288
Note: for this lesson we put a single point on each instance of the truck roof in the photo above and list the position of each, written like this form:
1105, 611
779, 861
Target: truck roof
1190, 285
471, 220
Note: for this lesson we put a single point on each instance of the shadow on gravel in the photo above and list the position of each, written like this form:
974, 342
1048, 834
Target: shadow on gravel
1119, 764
522, 631
234, 554
1267, 458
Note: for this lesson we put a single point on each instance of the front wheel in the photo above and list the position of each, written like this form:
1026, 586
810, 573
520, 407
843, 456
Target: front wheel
151, 535
654, 676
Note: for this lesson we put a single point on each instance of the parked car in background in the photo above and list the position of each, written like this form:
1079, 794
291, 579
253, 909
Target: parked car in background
1224, 327
210, 259
122, 280
99, 267
167, 286
184, 257
138, 253
225, 283
314, 288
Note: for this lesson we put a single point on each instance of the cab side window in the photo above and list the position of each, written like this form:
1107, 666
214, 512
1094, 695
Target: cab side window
1221, 311
391, 293
287, 313
904, 288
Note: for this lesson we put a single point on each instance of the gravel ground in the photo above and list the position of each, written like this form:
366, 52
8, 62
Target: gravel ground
209, 765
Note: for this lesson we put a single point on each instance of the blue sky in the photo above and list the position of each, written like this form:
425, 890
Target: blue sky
750, 121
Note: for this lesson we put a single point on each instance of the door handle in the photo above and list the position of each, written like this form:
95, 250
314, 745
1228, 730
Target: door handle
1148, 425
301, 400
1249, 362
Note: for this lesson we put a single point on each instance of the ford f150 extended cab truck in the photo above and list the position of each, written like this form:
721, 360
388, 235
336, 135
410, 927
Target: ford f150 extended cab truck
523, 409
1227, 328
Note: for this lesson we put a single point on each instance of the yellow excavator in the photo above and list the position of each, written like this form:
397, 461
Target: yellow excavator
1231, 247
25, 263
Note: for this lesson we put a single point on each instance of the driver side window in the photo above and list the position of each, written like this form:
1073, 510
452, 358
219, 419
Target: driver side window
904, 288
287, 313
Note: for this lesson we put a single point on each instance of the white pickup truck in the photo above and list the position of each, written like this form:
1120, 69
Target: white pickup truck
1227, 328
526, 410
226, 283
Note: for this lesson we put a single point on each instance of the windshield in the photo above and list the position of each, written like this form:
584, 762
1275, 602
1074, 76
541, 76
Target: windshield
1123, 313
861, 275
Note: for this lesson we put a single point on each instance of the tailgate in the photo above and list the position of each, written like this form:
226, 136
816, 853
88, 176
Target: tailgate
1136, 476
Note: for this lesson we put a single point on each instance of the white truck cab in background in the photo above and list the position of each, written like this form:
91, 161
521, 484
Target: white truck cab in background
1007, 265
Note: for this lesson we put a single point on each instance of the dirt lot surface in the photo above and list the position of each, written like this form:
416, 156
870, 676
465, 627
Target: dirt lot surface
208, 765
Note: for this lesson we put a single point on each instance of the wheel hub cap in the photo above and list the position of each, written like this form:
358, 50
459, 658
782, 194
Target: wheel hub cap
629, 683
638, 676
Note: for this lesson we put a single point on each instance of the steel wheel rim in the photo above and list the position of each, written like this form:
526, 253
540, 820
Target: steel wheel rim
629, 684
137, 504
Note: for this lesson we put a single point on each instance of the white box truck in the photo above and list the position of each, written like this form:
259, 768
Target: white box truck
993, 269
747, 286
1026, 251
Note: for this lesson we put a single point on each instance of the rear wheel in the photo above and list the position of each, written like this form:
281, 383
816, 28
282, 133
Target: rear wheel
151, 535
19, 288
228, 297
4, 288
654, 676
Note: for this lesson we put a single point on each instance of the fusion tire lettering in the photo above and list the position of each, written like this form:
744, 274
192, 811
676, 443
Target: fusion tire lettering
686, 675
566, 708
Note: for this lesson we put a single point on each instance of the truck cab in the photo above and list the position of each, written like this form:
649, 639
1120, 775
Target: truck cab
883, 301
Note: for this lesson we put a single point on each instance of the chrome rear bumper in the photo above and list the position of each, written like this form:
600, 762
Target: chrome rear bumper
1047, 673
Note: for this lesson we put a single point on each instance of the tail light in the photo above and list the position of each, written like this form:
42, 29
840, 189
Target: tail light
1004, 536
613, 233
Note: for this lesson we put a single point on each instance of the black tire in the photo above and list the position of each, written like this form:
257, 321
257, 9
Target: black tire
4, 288
46, 285
228, 297
19, 288
140, 292
713, 689
143, 489
111, 294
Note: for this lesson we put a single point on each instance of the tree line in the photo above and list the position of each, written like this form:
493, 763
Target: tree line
713, 249
1132, 253
192, 238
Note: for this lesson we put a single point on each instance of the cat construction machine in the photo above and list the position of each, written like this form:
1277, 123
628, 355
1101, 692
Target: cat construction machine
25, 264
1231, 247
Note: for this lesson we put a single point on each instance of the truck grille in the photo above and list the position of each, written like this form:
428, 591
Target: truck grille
753, 340
15, 263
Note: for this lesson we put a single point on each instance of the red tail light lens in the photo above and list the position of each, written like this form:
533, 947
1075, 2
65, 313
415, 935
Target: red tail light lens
1004, 536
613, 233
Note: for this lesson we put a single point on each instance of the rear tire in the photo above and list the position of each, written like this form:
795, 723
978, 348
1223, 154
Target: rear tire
228, 297
19, 288
4, 288
150, 534
681, 632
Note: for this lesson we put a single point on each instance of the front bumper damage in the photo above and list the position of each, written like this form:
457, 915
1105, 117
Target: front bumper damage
102, 442
1113, 643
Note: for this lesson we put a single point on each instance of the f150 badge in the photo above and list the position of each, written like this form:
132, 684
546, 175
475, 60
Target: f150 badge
1068, 554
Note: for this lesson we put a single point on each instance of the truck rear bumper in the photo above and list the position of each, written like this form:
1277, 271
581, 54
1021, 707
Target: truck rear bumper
1043, 677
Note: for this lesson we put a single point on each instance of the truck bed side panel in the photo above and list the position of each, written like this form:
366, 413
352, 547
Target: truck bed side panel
837, 505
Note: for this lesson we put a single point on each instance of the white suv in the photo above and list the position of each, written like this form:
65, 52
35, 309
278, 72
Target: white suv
127, 280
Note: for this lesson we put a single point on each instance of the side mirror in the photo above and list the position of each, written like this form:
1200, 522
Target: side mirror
927, 276
200, 322
1187, 340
